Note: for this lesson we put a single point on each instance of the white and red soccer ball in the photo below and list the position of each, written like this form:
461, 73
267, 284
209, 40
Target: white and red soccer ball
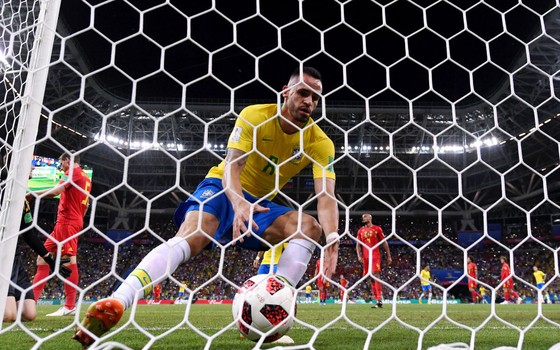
263, 303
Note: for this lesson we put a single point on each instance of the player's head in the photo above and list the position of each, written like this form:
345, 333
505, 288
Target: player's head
427, 267
535, 268
503, 259
302, 94
366, 218
469, 259
66, 158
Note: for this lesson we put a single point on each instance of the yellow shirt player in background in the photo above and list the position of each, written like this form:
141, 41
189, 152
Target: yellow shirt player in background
264, 268
308, 294
539, 279
425, 278
484, 295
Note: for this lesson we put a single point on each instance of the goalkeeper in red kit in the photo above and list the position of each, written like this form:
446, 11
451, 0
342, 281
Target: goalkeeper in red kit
369, 237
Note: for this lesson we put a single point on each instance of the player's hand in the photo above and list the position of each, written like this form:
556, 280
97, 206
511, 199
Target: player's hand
243, 213
63, 270
256, 263
389, 260
360, 259
331, 257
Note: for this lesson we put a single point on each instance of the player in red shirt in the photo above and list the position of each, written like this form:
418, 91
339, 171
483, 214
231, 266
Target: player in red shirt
509, 292
472, 271
72, 208
343, 285
157, 292
322, 283
370, 236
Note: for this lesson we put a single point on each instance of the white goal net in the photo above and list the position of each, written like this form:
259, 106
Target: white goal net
445, 116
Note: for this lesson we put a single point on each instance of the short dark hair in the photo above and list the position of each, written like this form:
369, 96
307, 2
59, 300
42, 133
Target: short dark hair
307, 70
68, 155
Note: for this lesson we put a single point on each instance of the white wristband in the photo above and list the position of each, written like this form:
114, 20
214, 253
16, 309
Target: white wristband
333, 236
257, 258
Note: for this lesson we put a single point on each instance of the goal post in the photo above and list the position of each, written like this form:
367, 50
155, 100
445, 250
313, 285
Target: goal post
33, 66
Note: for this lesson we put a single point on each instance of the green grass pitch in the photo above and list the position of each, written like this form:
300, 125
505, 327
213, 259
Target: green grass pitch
167, 327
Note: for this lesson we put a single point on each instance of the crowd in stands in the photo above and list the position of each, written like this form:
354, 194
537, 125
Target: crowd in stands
101, 262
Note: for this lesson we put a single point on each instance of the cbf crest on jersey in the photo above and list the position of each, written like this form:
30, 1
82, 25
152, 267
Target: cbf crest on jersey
296, 154
207, 194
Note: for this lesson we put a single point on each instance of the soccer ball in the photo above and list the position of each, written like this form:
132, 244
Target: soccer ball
264, 303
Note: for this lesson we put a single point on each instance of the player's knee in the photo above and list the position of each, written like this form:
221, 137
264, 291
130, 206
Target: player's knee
29, 315
9, 316
311, 228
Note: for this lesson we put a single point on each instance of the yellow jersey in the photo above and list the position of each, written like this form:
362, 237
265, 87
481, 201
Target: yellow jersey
267, 257
275, 153
482, 291
539, 276
308, 289
425, 277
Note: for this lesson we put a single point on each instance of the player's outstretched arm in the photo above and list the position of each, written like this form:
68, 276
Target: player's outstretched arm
48, 193
327, 213
235, 162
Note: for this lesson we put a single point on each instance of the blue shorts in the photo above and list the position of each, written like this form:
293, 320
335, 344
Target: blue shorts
307, 295
264, 269
426, 288
540, 286
210, 197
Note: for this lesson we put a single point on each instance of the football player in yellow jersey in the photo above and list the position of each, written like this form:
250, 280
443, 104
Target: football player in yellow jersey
267, 262
268, 146
425, 278
308, 294
539, 279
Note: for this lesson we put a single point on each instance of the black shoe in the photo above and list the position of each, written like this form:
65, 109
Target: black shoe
377, 306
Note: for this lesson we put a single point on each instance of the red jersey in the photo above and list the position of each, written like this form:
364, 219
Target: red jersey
506, 272
343, 282
370, 236
472, 270
73, 201
157, 289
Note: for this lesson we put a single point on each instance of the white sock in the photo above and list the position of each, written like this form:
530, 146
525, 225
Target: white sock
162, 261
294, 260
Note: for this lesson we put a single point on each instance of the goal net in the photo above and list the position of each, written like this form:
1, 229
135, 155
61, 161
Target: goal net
445, 116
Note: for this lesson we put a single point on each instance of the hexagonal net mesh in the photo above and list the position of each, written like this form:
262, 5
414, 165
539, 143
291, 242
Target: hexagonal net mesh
445, 119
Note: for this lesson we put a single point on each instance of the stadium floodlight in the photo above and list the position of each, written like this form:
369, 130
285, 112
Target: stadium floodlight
4, 60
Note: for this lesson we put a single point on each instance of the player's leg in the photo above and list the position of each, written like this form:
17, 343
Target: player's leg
430, 294
295, 258
43, 269
10, 312
376, 266
188, 242
68, 250
506, 295
28, 305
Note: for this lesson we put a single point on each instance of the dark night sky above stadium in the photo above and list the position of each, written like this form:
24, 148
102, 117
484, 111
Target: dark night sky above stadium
144, 31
